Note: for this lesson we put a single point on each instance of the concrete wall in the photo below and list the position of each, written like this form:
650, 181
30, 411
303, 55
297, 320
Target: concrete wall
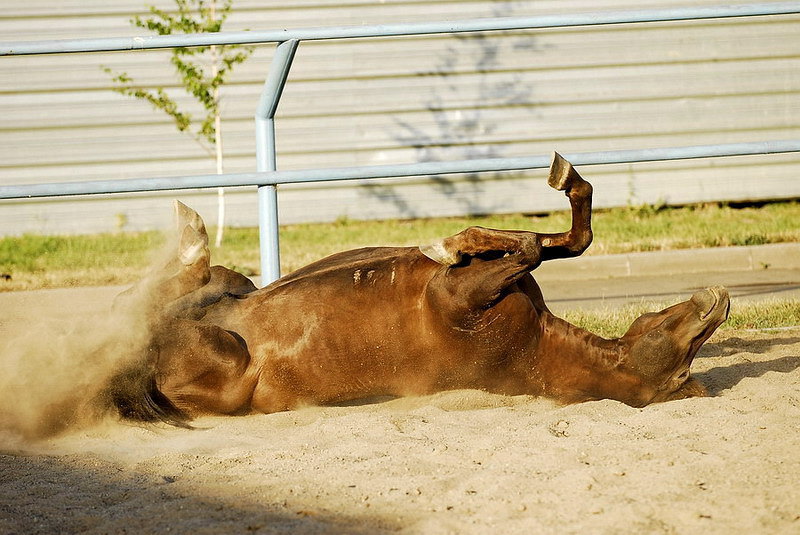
391, 100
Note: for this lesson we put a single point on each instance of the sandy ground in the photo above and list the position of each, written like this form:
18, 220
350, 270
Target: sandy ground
457, 462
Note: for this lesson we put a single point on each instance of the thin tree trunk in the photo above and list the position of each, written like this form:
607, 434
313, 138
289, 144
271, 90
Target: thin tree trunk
217, 138
220, 190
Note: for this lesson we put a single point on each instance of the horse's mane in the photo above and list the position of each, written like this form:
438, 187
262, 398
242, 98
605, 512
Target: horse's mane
135, 395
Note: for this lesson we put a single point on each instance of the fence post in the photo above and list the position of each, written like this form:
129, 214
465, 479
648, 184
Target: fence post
268, 231
266, 160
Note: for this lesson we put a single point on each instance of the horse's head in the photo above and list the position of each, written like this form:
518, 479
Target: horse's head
662, 345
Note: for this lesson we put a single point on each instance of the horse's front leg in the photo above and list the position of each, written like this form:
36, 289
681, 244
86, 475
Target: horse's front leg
577, 239
482, 263
479, 241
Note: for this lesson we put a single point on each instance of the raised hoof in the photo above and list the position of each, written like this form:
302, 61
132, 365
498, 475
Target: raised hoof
561, 173
185, 216
439, 253
193, 246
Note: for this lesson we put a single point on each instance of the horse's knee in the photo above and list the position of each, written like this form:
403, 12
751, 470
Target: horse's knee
580, 240
202, 369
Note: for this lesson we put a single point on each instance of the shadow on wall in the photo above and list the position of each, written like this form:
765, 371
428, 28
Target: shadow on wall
460, 131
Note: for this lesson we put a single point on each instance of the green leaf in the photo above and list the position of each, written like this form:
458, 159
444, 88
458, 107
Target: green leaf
190, 16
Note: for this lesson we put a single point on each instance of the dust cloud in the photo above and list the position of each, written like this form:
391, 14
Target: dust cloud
60, 350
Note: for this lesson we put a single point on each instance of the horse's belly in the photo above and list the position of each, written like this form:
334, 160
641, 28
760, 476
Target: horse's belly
323, 350
327, 347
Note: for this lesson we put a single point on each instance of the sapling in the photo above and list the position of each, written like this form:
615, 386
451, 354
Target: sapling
201, 70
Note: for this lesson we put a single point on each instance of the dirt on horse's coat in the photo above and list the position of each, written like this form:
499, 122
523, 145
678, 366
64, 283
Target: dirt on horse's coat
464, 312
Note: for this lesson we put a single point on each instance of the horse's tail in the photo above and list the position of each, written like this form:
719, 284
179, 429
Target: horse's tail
135, 395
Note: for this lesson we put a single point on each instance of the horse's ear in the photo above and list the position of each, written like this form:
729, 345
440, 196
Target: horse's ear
193, 243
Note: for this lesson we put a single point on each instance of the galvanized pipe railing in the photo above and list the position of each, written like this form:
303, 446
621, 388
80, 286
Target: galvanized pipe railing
266, 159
331, 174
395, 30
267, 177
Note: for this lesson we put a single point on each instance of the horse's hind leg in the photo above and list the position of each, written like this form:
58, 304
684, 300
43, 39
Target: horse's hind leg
192, 264
187, 269
223, 282
203, 369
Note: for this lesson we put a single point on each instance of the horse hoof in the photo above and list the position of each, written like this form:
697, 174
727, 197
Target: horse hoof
560, 172
185, 216
192, 246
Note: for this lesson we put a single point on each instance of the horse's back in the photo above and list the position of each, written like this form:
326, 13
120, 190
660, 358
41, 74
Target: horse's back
348, 264
369, 286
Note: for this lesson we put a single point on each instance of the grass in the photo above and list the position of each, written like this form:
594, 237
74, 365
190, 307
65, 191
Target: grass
613, 322
615, 231
31, 262
53, 261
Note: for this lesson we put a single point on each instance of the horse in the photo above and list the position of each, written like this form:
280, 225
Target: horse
462, 313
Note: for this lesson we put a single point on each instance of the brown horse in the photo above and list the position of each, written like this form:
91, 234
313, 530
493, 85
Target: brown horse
464, 312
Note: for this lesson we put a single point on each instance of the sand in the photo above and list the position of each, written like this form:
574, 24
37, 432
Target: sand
455, 462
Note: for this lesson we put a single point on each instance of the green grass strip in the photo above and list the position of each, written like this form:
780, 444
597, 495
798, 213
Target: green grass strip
32, 261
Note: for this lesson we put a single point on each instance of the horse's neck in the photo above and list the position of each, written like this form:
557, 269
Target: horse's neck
580, 345
587, 366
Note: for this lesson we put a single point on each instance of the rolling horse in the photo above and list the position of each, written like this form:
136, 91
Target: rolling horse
462, 313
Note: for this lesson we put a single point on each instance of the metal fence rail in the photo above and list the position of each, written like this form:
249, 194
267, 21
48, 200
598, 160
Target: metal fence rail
298, 176
267, 177
394, 30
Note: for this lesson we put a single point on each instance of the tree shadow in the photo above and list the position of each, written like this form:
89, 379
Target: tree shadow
43, 494
721, 378
461, 133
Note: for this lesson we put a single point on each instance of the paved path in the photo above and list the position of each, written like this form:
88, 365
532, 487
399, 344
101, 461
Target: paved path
751, 273
670, 289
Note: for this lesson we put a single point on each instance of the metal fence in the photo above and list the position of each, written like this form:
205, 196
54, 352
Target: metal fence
267, 177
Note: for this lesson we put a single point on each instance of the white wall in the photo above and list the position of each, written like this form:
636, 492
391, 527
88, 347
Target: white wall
374, 101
